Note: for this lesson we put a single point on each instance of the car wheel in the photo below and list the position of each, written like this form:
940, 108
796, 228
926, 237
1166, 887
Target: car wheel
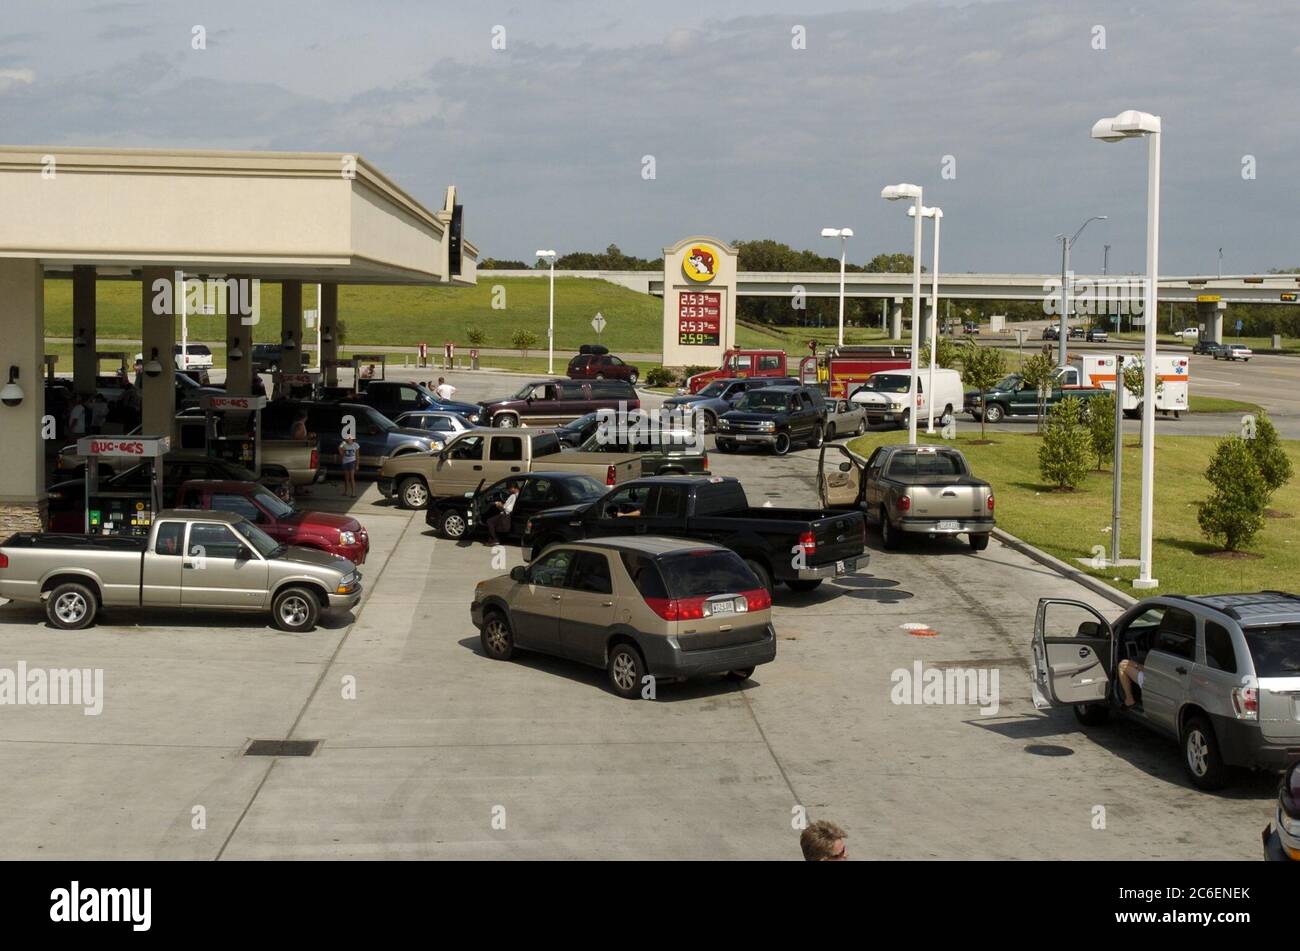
862, 427
600, 376
726, 446
632, 378
506, 421
1092, 714
888, 534
413, 493
626, 670
905, 421
817, 437
1201, 756
295, 610
781, 445
804, 584
762, 574
710, 421
979, 541
453, 524
993, 413
830, 432
71, 606
741, 675
947, 417
497, 638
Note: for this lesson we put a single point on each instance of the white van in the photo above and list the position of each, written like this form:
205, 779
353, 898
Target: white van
884, 396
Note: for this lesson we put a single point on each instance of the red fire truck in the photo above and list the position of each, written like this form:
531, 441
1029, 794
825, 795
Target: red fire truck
841, 370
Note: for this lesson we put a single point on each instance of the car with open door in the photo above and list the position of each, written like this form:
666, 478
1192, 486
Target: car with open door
1220, 674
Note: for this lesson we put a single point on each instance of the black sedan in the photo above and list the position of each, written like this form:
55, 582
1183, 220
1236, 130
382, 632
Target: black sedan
458, 517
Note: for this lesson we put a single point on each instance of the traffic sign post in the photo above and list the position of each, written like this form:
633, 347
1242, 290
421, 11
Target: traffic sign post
598, 323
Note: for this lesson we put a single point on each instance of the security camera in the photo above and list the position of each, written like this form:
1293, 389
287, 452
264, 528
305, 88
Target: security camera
11, 394
152, 367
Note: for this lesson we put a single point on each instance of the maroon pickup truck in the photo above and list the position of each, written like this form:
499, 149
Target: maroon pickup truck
324, 531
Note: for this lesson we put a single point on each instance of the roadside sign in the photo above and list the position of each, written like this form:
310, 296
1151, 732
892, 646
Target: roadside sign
598, 322
1208, 298
1239, 325
1288, 296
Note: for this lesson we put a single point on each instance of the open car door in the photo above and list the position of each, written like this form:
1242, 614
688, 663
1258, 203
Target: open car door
839, 477
1072, 654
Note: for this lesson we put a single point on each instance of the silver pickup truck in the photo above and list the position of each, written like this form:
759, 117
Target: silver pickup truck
212, 561
909, 490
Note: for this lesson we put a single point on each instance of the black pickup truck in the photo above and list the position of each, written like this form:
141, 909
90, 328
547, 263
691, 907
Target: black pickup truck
799, 547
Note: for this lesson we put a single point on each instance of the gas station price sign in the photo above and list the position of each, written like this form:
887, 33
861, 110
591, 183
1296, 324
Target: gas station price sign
699, 318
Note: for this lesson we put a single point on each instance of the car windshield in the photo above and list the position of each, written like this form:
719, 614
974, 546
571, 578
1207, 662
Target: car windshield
585, 489
704, 573
715, 388
1275, 649
1008, 383
264, 544
764, 400
274, 505
523, 392
581, 423
888, 383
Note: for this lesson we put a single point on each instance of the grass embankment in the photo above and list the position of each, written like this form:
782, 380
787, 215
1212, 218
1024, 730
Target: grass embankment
1069, 524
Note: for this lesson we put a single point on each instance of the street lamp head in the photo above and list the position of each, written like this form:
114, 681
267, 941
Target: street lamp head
547, 255
1127, 125
837, 232
904, 190
926, 212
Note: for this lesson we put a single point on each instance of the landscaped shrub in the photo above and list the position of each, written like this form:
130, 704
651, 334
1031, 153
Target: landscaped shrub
1101, 427
1273, 462
1063, 456
1235, 509
981, 369
660, 376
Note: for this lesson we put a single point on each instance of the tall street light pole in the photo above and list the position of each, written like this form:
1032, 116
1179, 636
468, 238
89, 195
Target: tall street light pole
895, 193
549, 257
1067, 241
933, 326
843, 234
1129, 125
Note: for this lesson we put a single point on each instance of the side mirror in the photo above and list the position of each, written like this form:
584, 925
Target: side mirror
519, 573
242, 554
846, 466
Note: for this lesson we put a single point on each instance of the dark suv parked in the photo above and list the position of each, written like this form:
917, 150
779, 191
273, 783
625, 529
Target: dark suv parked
597, 363
395, 397
773, 416
555, 402
378, 435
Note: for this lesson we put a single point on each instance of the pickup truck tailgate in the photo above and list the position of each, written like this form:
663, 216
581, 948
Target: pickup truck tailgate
838, 536
607, 467
956, 500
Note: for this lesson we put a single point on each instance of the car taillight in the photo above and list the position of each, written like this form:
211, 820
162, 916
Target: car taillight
315, 460
904, 503
677, 609
990, 502
4, 560
706, 462
760, 599
1245, 702
611, 478
808, 543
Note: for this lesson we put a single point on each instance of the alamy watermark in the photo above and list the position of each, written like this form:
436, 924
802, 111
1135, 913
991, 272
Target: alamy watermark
1109, 296
670, 426
53, 686
950, 686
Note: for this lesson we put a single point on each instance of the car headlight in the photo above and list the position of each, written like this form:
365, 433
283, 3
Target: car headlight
347, 538
895, 406
1289, 824
473, 417
724, 424
767, 427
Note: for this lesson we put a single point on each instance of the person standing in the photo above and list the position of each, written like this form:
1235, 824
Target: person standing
77, 416
349, 449
444, 390
500, 522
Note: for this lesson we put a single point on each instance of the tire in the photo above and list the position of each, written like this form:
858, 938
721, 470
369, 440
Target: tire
295, 610
948, 416
978, 542
740, 676
625, 670
632, 379
804, 584
862, 426
453, 525
1201, 756
506, 421
762, 574
818, 437
710, 421
906, 421
72, 606
412, 493
830, 432
889, 536
600, 376
993, 413
725, 446
1092, 714
781, 445
497, 638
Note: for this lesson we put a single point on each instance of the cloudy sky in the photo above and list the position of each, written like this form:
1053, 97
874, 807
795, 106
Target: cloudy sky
750, 136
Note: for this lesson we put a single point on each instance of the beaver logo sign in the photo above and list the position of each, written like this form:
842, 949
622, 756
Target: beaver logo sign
699, 301
700, 263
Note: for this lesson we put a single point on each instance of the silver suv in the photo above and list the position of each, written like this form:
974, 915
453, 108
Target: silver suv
1221, 674
641, 607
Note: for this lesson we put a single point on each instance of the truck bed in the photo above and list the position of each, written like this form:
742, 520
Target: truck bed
44, 542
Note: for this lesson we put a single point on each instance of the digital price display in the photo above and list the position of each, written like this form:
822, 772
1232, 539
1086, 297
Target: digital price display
699, 319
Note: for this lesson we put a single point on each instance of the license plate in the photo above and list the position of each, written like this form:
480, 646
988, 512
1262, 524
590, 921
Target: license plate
724, 607
948, 526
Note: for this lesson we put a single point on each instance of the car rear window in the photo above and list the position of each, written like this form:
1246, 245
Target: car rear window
1275, 649
611, 390
706, 572
720, 497
546, 444
641, 569
920, 465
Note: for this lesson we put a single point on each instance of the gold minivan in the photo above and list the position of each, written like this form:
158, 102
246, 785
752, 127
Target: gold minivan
643, 608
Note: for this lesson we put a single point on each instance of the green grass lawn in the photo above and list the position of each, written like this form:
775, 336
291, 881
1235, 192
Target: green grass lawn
1069, 524
1217, 404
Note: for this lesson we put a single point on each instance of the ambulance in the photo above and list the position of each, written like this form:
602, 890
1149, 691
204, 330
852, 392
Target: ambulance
1096, 369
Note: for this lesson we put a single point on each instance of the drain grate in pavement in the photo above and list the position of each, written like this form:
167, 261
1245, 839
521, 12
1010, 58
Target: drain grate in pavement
282, 747
1048, 749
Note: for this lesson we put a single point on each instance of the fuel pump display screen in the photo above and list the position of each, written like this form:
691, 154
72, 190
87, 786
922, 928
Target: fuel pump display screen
120, 515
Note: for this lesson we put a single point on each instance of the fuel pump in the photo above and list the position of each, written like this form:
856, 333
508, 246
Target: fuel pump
359, 375
123, 511
301, 384
232, 428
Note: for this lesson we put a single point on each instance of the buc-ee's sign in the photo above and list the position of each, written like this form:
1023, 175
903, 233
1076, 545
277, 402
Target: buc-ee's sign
128, 447
700, 263
234, 402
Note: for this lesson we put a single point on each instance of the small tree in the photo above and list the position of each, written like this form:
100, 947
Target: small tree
1063, 456
1235, 509
475, 336
1101, 427
981, 369
523, 341
1135, 382
1273, 462
1037, 371
947, 354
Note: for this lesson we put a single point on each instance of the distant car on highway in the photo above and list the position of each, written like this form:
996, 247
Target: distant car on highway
1051, 332
1233, 351
970, 327
1097, 335
1206, 346
1075, 333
